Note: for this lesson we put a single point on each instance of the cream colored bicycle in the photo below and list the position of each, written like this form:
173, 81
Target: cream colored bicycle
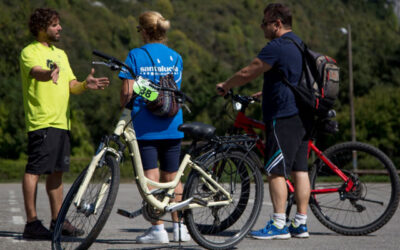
222, 194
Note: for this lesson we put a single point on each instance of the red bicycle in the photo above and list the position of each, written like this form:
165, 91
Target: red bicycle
355, 186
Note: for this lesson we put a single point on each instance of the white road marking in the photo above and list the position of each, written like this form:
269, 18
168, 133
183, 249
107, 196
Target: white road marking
18, 220
12, 202
11, 193
15, 210
265, 203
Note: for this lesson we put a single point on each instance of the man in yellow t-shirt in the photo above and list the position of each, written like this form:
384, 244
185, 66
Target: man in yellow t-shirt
47, 81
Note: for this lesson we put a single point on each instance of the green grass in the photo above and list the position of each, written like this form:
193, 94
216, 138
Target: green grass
362, 178
13, 170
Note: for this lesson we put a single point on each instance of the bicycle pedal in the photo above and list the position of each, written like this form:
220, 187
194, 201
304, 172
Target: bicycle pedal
128, 214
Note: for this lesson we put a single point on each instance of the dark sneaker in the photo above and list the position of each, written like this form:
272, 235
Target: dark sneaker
36, 231
299, 232
271, 231
68, 229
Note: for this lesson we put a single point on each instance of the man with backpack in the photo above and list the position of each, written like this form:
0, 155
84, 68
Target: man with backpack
286, 130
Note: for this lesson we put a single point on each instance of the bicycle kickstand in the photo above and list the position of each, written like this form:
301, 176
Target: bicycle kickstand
130, 215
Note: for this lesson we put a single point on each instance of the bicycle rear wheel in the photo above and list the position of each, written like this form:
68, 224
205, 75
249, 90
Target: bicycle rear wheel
223, 227
369, 204
104, 183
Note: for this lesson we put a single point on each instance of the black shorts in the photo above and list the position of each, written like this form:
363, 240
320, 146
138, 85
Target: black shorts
286, 146
48, 151
166, 151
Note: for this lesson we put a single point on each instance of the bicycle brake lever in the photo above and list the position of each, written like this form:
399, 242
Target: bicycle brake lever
111, 65
100, 63
115, 67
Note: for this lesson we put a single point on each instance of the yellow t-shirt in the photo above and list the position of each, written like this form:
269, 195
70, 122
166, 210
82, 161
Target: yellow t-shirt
46, 104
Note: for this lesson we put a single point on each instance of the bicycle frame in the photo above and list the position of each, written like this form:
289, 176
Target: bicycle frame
124, 129
248, 125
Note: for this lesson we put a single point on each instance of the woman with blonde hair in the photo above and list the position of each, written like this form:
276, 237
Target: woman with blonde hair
158, 137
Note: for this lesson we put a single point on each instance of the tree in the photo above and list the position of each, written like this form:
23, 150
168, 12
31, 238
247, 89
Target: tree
377, 120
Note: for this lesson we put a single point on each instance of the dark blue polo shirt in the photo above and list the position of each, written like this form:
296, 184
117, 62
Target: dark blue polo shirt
278, 100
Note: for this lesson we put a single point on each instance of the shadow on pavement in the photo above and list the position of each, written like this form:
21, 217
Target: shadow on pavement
17, 236
125, 241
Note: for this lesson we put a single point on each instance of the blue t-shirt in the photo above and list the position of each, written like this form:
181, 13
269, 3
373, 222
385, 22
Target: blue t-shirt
282, 54
147, 125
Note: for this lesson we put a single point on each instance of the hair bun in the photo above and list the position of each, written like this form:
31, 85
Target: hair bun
163, 24
155, 25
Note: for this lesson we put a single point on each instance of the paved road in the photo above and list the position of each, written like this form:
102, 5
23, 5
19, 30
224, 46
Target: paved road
120, 233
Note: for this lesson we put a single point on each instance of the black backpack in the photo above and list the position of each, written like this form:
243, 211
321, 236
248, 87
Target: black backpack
318, 87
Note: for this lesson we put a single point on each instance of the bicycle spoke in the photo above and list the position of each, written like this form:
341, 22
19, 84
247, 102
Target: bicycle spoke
213, 227
373, 201
84, 218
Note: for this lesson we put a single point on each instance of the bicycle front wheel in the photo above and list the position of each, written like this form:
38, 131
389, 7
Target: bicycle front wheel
222, 227
369, 204
96, 205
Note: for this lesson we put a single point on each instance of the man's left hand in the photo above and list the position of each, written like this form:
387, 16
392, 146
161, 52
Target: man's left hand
96, 83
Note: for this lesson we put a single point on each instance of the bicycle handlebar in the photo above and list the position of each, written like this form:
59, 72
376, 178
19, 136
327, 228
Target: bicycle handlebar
244, 100
109, 58
113, 62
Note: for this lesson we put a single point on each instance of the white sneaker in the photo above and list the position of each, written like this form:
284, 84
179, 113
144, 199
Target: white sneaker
185, 236
152, 236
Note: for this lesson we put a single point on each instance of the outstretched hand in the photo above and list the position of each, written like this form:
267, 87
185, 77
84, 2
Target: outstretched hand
96, 83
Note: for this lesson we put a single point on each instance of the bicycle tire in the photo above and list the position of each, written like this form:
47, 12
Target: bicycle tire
90, 223
225, 226
241, 204
372, 202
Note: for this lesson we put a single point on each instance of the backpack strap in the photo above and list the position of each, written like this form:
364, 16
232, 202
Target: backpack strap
154, 65
285, 80
301, 48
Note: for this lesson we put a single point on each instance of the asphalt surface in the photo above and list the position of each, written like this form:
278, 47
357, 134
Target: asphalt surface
120, 232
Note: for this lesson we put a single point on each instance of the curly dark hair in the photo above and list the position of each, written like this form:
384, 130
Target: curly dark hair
41, 18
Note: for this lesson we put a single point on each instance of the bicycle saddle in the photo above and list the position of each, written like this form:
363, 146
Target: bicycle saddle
197, 130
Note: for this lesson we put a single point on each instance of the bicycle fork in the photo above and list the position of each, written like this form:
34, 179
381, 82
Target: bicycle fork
96, 162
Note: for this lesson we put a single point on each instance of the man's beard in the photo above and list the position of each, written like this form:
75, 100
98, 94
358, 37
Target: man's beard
53, 39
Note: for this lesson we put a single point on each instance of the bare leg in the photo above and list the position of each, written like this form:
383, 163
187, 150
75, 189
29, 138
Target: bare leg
278, 192
154, 175
166, 177
302, 190
54, 188
29, 189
